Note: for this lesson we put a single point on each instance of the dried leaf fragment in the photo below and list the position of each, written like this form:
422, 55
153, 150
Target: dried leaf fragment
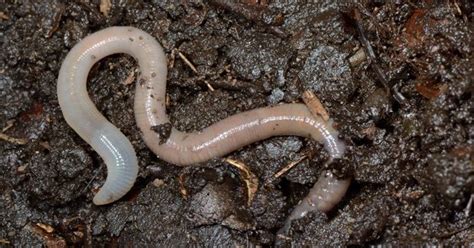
182, 187
251, 181
431, 91
414, 32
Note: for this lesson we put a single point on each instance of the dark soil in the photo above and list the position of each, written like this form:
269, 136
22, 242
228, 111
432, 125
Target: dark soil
411, 158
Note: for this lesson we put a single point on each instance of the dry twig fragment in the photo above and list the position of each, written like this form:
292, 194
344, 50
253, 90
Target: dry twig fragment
209, 86
286, 168
186, 60
467, 210
4, 241
18, 141
249, 178
9, 125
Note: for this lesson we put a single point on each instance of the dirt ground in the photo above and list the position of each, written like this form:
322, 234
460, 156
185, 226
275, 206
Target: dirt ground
395, 76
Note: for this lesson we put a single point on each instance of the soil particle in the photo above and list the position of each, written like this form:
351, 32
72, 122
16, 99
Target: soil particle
276, 96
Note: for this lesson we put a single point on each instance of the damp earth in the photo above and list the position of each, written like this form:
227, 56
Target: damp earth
395, 77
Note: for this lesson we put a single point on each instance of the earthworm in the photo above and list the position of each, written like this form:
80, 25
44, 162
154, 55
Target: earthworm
167, 143
325, 194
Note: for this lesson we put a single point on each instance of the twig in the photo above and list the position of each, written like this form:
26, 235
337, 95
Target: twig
468, 208
209, 85
286, 169
373, 59
9, 125
18, 141
186, 60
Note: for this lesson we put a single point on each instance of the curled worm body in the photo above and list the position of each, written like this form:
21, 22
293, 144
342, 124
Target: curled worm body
176, 147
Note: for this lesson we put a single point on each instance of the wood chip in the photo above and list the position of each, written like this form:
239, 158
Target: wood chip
45, 227
167, 101
315, 106
21, 169
3, 16
358, 57
104, 7
251, 181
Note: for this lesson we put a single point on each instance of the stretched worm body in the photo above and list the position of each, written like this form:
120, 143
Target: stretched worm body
168, 143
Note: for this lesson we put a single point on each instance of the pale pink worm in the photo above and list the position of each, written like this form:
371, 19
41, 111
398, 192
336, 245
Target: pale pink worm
168, 143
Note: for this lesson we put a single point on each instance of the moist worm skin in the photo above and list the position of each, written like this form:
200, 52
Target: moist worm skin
326, 193
179, 148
